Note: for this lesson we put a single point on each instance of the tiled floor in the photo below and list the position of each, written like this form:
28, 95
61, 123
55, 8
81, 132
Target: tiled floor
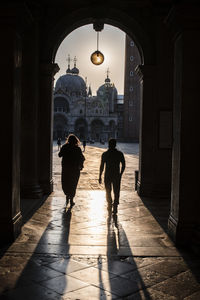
84, 253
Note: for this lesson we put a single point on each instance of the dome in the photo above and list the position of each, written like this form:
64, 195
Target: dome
75, 71
104, 88
107, 80
70, 83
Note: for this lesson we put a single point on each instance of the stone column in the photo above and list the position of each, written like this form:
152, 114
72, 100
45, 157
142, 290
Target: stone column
10, 51
145, 184
30, 187
45, 128
184, 221
154, 178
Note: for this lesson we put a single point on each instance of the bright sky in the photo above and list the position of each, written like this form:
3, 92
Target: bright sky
82, 42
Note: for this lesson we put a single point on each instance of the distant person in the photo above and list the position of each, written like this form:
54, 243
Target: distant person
72, 163
84, 145
114, 162
59, 142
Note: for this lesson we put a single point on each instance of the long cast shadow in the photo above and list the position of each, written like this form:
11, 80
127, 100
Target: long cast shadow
122, 286
39, 278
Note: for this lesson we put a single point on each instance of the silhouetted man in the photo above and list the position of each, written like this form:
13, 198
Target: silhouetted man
112, 158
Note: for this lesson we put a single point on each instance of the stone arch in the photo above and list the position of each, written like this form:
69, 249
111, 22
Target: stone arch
81, 128
60, 128
115, 17
138, 29
97, 130
61, 104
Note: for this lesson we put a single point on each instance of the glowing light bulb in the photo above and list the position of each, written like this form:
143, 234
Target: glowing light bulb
97, 58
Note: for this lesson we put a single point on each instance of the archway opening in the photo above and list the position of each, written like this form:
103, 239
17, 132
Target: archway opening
110, 92
97, 130
81, 128
60, 126
103, 101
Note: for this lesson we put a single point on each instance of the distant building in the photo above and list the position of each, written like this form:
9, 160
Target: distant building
132, 93
89, 117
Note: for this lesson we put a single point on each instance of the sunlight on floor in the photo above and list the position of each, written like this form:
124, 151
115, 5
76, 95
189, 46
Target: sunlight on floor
97, 205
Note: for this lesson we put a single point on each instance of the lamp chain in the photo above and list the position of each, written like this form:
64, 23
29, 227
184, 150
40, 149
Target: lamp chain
97, 40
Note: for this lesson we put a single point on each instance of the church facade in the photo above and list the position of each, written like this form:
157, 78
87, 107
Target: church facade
95, 118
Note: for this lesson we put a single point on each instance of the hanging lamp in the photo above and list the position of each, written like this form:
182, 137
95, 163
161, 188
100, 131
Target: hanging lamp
97, 58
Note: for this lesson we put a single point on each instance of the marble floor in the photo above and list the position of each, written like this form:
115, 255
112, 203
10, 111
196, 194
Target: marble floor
85, 253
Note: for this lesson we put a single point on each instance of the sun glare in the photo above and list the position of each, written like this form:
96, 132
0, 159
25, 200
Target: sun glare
97, 205
82, 43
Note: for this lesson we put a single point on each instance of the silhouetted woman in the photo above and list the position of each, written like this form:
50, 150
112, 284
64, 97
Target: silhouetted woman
72, 163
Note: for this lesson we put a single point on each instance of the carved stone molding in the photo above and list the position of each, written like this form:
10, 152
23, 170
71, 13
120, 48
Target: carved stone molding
138, 71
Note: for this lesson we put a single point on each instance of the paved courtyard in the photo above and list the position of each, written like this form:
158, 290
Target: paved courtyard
83, 253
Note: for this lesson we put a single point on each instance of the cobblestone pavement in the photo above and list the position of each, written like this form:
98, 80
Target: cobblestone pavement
82, 253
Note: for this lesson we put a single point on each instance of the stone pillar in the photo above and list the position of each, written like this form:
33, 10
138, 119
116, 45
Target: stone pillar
10, 51
147, 159
184, 221
155, 138
30, 187
45, 128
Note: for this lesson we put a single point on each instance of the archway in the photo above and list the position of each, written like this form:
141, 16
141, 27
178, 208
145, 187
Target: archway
123, 120
60, 126
46, 39
97, 130
145, 42
81, 128
148, 181
61, 104
137, 30
41, 39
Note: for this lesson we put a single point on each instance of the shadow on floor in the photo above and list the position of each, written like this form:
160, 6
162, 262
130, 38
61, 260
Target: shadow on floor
124, 277
160, 210
28, 207
34, 281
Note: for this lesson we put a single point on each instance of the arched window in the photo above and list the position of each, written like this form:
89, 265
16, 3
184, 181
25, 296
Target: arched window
131, 73
131, 89
61, 105
132, 43
130, 119
131, 58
